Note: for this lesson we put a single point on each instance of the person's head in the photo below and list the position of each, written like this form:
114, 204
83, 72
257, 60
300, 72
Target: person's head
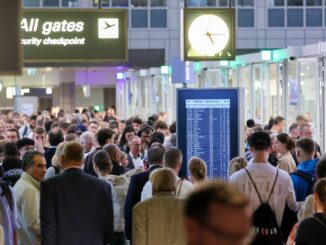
10, 124
114, 152
72, 155
127, 134
284, 143
35, 165
124, 159
56, 159
122, 125
250, 123
87, 139
217, 213
135, 145
163, 180
278, 124
25, 145
32, 122
92, 126
155, 154
305, 130
55, 136
156, 137
104, 136
160, 126
260, 145
11, 149
320, 195
302, 119
305, 149
136, 122
294, 131
162, 116
10, 163
2, 149
102, 163
197, 169
39, 135
144, 133
12, 135
321, 168
71, 137
236, 164
173, 127
173, 159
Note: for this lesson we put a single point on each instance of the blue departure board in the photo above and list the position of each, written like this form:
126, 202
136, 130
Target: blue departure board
208, 126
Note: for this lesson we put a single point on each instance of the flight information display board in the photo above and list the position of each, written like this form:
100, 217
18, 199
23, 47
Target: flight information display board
209, 126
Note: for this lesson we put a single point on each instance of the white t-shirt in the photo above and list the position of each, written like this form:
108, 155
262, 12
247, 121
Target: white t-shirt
185, 187
263, 175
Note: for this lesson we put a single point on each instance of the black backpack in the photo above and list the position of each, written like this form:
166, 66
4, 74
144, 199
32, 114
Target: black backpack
266, 229
308, 178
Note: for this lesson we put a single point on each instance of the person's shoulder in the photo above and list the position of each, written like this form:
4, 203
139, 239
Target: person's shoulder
238, 175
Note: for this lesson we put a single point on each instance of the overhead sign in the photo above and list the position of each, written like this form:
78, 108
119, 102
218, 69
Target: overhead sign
10, 49
65, 35
208, 34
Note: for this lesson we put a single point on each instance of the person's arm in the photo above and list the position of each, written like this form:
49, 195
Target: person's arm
108, 207
308, 209
139, 226
47, 216
290, 199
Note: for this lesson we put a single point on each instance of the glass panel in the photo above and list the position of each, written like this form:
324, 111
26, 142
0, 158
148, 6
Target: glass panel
276, 3
205, 3
295, 17
275, 18
244, 80
71, 3
295, 2
158, 18
314, 2
293, 93
308, 93
192, 3
120, 3
223, 3
245, 18
271, 93
31, 3
258, 97
139, 3
245, 3
158, 3
51, 3
104, 3
138, 18
314, 17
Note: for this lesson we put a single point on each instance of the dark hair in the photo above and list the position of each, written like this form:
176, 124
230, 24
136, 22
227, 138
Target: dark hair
277, 120
48, 125
293, 126
321, 169
64, 125
286, 139
14, 130
144, 128
307, 145
173, 127
113, 124
101, 159
172, 157
73, 151
112, 150
136, 120
33, 117
28, 159
156, 137
24, 141
9, 163
260, 141
71, 129
320, 189
250, 123
55, 136
39, 130
160, 125
155, 154
213, 192
71, 137
126, 130
10, 149
103, 135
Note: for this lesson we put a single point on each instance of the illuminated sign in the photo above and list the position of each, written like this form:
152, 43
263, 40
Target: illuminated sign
65, 35
208, 34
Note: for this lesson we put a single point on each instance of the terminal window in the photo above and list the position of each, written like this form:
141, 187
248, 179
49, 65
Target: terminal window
51, 3
295, 17
314, 2
276, 17
158, 3
314, 17
31, 3
295, 2
120, 3
246, 18
273, 3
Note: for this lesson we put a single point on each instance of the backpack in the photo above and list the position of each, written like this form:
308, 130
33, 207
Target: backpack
265, 224
308, 178
7, 193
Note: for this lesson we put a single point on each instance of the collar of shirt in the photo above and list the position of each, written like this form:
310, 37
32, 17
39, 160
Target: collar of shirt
135, 157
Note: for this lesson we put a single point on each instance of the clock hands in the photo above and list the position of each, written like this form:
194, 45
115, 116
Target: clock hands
209, 35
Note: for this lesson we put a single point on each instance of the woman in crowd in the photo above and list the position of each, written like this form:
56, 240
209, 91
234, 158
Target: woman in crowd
127, 134
236, 164
197, 169
284, 146
56, 162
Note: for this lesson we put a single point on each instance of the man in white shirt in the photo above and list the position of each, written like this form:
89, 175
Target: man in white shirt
263, 175
134, 157
173, 160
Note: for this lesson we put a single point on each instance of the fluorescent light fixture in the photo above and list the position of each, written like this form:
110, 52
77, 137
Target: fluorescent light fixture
87, 91
165, 70
48, 90
31, 71
10, 92
224, 63
1, 86
266, 54
120, 76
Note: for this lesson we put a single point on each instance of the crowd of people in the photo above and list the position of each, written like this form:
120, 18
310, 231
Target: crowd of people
93, 178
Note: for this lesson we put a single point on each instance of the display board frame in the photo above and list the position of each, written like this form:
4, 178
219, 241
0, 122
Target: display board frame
236, 97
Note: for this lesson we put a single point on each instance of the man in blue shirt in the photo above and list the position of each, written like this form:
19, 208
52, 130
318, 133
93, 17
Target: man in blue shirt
305, 176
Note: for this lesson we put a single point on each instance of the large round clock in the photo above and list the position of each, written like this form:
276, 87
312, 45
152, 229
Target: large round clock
208, 34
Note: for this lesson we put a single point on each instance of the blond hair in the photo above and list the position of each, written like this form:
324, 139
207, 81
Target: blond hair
163, 180
236, 164
56, 159
197, 168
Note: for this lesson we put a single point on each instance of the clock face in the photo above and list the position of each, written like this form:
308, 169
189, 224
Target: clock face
208, 34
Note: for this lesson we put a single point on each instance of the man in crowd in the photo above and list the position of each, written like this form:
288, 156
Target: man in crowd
92, 127
27, 195
39, 136
12, 135
30, 124
136, 122
294, 131
217, 213
134, 157
25, 145
76, 208
278, 125
55, 138
137, 182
